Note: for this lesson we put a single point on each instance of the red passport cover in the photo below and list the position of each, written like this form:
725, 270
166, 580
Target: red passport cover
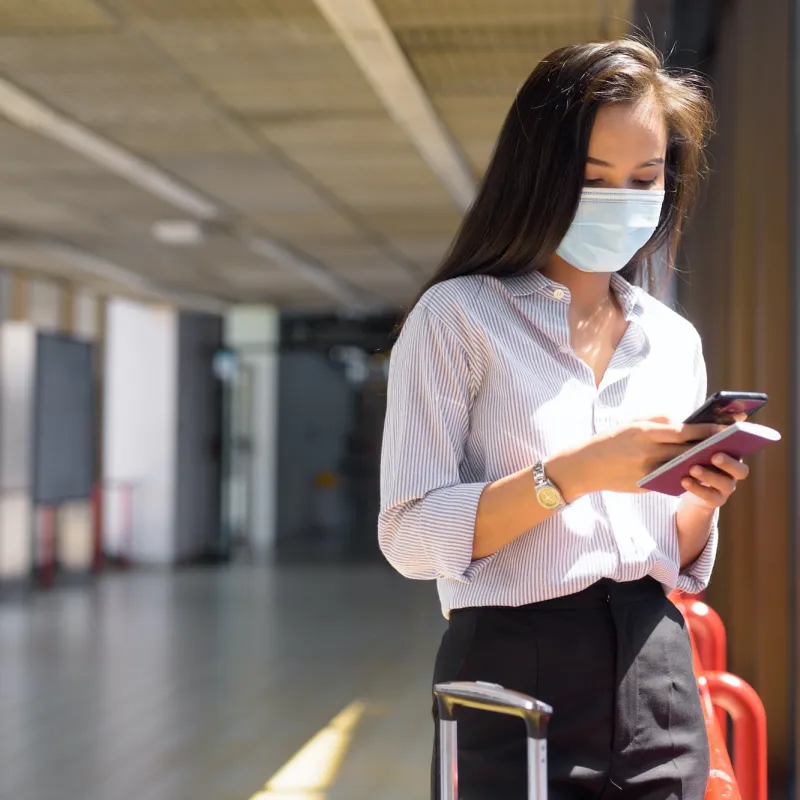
739, 440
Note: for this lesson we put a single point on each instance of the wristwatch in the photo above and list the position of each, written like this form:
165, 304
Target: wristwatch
547, 493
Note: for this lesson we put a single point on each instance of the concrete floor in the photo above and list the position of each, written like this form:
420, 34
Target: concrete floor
200, 685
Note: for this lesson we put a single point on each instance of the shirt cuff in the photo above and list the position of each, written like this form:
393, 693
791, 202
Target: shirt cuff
447, 528
695, 578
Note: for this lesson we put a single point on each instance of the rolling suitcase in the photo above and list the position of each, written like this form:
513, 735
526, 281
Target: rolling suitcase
490, 697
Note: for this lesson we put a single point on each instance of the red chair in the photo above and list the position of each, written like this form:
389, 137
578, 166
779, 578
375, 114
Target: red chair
722, 693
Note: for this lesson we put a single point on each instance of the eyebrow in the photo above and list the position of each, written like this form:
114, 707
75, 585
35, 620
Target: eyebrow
653, 162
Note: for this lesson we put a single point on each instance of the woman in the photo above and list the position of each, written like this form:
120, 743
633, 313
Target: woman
532, 387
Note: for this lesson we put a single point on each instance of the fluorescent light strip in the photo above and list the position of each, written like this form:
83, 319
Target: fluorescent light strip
373, 46
28, 112
101, 268
92, 265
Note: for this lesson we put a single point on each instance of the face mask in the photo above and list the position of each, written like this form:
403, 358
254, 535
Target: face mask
610, 227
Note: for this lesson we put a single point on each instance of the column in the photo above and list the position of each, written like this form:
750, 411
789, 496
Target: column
253, 333
140, 431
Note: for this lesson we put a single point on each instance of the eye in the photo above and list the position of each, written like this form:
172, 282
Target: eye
645, 184
592, 181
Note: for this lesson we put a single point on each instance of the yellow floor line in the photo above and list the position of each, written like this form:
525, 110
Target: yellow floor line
311, 771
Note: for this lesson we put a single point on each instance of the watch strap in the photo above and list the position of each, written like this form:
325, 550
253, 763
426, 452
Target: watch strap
539, 475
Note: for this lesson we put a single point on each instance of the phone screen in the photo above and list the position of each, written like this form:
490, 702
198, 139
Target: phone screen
725, 408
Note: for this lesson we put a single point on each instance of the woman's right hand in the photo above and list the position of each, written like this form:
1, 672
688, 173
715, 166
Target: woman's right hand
617, 460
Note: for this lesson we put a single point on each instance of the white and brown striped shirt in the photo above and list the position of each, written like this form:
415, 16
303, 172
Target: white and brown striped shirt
483, 382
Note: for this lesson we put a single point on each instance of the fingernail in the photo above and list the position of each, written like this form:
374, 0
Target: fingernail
718, 460
696, 471
686, 483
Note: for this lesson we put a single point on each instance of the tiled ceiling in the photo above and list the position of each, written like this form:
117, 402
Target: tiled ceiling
259, 105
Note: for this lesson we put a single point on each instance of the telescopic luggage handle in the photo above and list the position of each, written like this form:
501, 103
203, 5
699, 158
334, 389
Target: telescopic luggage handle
490, 697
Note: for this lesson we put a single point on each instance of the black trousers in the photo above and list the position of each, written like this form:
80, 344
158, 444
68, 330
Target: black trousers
615, 663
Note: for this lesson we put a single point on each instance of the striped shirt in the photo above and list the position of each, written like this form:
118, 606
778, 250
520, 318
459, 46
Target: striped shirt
483, 383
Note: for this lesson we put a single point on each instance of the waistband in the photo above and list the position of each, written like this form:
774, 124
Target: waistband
602, 593
606, 591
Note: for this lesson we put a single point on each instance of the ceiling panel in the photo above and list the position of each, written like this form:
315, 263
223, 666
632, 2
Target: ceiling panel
62, 15
411, 223
179, 137
258, 104
33, 157
252, 184
472, 55
101, 194
267, 67
305, 225
213, 12
486, 14
101, 79
283, 72
22, 209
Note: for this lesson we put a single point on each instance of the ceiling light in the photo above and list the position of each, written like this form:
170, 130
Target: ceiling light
178, 232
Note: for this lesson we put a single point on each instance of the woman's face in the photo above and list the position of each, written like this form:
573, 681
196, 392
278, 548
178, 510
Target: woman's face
627, 147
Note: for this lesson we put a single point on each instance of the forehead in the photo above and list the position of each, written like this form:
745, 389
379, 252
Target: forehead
631, 127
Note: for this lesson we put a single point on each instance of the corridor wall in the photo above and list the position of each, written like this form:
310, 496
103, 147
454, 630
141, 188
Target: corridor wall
739, 285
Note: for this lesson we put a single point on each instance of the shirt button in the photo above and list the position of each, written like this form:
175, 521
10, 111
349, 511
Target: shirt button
558, 294
562, 348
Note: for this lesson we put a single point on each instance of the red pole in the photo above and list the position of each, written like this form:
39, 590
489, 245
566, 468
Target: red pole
97, 509
709, 639
744, 705
712, 638
48, 523
708, 630
127, 522
722, 783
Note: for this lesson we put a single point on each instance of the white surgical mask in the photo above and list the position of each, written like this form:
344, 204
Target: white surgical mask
610, 227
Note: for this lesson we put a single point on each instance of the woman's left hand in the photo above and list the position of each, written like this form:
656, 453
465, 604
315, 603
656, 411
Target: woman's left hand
713, 487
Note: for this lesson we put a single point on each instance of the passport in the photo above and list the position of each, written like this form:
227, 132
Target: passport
739, 440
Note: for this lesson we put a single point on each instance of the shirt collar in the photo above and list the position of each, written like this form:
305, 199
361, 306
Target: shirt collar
629, 296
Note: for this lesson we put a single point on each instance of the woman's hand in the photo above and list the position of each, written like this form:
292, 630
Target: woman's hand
713, 487
616, 461
706, 491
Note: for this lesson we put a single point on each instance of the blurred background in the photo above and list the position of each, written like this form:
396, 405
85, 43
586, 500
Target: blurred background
212, 213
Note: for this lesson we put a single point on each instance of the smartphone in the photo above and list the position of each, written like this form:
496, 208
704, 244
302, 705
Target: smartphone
724, 408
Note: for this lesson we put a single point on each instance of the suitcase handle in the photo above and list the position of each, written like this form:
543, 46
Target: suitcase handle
495, 698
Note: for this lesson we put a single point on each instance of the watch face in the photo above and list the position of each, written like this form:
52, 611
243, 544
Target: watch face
549, 497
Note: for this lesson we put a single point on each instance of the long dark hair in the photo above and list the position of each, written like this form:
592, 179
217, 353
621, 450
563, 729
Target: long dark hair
531, 189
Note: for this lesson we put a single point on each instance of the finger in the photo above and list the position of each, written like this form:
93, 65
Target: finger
737, 469
711, 497
712, 478
699, 431
681, 434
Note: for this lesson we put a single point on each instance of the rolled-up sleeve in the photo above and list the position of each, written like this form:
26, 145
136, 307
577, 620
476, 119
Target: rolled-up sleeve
427, 520
696, 576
